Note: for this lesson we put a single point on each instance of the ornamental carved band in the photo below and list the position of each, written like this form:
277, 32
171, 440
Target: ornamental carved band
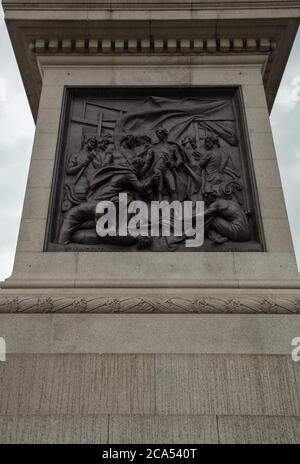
139, 305
154, 144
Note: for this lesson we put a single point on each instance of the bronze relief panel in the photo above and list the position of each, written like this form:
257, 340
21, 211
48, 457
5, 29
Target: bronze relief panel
155, 144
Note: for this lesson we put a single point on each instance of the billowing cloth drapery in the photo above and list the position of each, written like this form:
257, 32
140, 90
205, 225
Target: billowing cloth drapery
178, 118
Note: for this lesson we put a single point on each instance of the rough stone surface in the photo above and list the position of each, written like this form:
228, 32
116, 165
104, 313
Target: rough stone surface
230, 385
163, 429
36, 204
148, 384
148, 429
80, 384
149, 333
259, 430
272, 203
149, 399
62, 429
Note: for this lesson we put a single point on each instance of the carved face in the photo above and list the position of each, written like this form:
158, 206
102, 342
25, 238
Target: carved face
188, 142
128, 142
110, 148
91, 144
142, 140
102, 144
209, 143
162, 134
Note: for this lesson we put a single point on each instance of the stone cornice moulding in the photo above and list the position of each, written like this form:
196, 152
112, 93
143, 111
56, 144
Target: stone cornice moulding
12, 284
151, 5
166, 60
214, 23
155, 46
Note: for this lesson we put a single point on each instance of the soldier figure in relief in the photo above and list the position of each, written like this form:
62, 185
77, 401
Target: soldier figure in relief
82, 165
163, 158
215, 164
124, 155
104, 153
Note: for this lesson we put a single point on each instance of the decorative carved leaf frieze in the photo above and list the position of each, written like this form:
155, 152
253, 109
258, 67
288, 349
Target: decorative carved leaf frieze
136, 305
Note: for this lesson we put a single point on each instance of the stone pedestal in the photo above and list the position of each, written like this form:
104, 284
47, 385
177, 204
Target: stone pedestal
151, 347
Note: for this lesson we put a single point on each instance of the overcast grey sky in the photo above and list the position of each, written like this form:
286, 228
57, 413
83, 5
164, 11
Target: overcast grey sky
17, 129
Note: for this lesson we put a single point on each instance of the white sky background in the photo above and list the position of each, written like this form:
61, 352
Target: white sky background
16, 137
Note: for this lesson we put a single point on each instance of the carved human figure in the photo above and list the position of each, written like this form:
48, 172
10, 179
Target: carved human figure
107, 184
225, 219
215, 164
190, 148
82, 165
192, 155
125, 153
142, 145
104, 153
163, 158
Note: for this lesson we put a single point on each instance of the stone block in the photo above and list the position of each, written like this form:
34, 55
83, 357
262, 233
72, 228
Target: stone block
267, 173
251, 45
239, 334
36, 203
198, 45
119, 45
40, 173
66, 45
31, 235
45, 266
51, 97
162, 429
259, 430
296, 367
44, 146
53, 46
92, 75
80, 46
238, 45
77, 384
93, 45
172, 45
258, 120
272, 204
254, 96
224, 45
114, 266
211, 45
137, 75
49, 429
278, 236
48, 120
226, 385
106, 45
267, 266
201, 75
262, 146
145, 45
132, 45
